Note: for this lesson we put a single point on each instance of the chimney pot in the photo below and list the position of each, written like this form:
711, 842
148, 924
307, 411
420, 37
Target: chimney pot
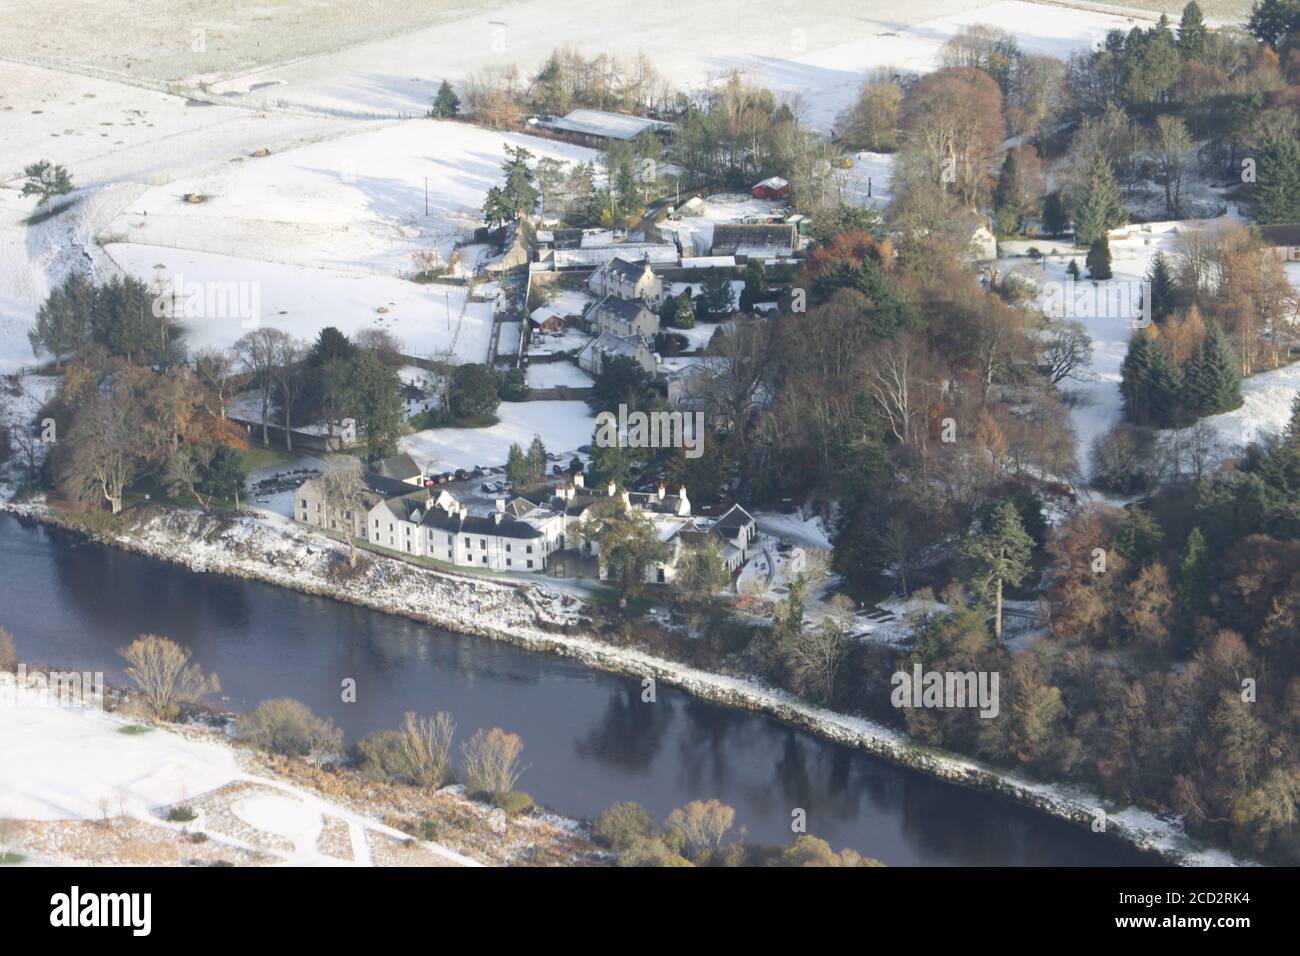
609, 489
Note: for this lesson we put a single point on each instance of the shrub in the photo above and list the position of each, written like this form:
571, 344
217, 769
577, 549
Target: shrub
516, 803
164, 674
651, 851
181, 814
701, 825
379, 756
288, 727
492, 761
426, 747
622, 825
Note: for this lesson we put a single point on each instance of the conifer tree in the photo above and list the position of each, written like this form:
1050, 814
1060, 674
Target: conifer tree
1165, 388
1134, 381
1100, 208
1213, 377
446, 103
1098, 260
1277, 187
1160, 287
1194, 573
999, 555
1191, 31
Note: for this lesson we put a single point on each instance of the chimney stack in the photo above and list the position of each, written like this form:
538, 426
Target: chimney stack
627, 500
578, 480
610, 489
501, 505
662, 491
464, 512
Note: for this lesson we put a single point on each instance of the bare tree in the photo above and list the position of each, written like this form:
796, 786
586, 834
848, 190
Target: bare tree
215, 368
1066, 350
702, 825
105, 450
892, 372
426, 745
815, 657
289, 354
258, 352
492, 761
164, 674
343, 486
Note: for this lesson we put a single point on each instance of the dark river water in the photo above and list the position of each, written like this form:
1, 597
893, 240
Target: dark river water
589, 740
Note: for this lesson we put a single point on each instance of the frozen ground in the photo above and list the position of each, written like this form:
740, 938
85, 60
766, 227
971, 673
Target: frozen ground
302, 300
553, 374
354, 202
563, 427
814, 48
62, 762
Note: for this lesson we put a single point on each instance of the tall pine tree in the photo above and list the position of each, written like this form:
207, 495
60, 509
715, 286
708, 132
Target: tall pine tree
1160, 287
1098, 259
1135, 379
1191, 32
1213, 376
1100, 208
1277, 187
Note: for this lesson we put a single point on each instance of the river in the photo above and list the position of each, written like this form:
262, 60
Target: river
589, 739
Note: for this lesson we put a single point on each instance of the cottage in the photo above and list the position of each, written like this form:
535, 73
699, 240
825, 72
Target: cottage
622, 317
398, 468
774, 187
636, 347
628, 280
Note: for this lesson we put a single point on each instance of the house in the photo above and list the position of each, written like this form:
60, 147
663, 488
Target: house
517, 536
774, 187
637, 347
398, 468
517, 247
628, 280
754, 240
622, 317
1283, 240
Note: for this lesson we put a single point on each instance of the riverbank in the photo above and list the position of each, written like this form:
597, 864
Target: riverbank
538, 618
101, 785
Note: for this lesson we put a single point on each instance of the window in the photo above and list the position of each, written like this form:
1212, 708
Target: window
467, 544
530, 564
303, 502
450, 556
482, 543
485, 559
530, 549
507, 547
507, 562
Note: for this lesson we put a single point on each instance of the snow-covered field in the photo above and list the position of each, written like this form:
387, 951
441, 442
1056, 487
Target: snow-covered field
563, 427
353, 202
815, 49
302, 300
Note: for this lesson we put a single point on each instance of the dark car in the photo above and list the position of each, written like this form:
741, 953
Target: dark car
557, 469
461, 474
584, 449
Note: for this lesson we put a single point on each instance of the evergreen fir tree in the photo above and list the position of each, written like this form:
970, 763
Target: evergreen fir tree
1191, 31
1101, 207
1277, 188
1055, 221
1213, 378
1194, 573
1134, 383
446, 103
1072, 270
1164, 388
1160, 287
1098, 260
1139, 536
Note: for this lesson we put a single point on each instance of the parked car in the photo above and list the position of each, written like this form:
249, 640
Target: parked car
584, 449
485, 487
478, 471
557, 469
461, 474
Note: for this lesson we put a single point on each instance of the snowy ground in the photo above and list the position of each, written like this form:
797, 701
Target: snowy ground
77, 763
553, 374
696, 231
816, 50
353, 202
563, 427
